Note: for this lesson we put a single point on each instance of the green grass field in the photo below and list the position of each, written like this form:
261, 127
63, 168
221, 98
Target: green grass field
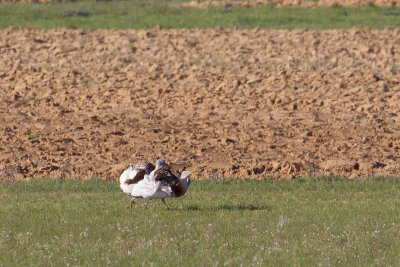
149, 14
325, 221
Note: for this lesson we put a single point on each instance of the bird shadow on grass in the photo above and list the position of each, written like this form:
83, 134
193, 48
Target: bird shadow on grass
230, 207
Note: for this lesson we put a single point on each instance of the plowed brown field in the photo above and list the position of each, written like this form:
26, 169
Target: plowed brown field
243, 103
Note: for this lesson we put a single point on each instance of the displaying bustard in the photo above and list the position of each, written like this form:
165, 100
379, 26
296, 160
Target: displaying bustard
147, 181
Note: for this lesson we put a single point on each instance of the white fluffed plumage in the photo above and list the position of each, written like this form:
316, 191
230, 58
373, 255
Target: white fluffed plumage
129, 173
127, 188
150, 188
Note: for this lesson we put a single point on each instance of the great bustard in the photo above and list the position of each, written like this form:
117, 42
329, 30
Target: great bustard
147, 181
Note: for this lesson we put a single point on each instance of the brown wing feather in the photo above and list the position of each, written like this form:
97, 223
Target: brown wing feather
177, 189
167, 176
161, 175
139, 176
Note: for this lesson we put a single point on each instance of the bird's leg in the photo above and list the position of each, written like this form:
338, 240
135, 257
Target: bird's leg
151, 205
146, 204
163, 200
132, 202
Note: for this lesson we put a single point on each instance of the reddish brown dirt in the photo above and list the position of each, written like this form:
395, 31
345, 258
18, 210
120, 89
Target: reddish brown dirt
242, 103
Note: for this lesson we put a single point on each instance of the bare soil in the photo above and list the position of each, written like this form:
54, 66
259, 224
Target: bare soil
225, 103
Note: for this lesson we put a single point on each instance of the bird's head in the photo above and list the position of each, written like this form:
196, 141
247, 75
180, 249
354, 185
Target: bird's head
161, 163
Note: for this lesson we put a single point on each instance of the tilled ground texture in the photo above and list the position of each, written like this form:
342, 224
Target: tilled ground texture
240, 103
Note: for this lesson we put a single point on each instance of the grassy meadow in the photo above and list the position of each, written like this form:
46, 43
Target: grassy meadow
327, 221
149, 14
